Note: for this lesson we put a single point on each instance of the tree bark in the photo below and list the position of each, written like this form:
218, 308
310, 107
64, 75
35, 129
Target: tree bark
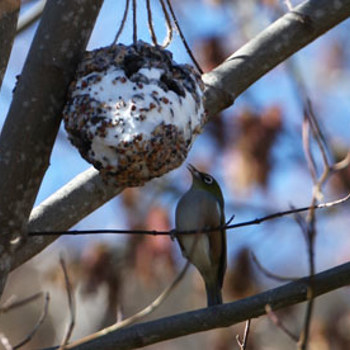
218, 316
32, 123
9, 10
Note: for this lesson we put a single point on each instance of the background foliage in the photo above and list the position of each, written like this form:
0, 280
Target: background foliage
254, 149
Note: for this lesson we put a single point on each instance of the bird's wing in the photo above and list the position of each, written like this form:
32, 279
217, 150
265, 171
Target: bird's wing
217, 242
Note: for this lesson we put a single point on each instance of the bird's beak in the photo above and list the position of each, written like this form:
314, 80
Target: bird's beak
193, 170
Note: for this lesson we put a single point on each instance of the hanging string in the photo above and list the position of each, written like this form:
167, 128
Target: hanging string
169, 36
125, 15
150, 23
164, 4
134, 22
177, 26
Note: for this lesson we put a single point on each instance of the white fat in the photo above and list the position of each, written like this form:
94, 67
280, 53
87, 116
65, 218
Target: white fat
184, 108
151, 73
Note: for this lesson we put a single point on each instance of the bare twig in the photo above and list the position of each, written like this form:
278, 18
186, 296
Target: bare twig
71, 304
316, 130
341, 164
288, 5
174, 232
270, 274
40, 321
236, 74
278, 323
310, 232
307, 149
156, 303
138, 316
243, 343
64, 208
225, 315
230, 220
13, 304
311, 218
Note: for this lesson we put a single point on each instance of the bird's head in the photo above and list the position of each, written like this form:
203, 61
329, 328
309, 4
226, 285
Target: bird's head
206, 182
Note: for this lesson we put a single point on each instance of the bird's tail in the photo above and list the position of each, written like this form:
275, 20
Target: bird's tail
214, 296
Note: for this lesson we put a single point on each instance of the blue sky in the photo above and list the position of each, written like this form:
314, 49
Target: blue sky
289, 182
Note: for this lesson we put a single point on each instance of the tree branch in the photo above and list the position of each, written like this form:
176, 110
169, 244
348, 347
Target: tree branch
219, 316
275, 44
32, 123
9, 10
78, 198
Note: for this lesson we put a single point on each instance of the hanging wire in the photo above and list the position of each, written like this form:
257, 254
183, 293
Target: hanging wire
169, 36
125, 15
177, 26
134, 22
150, 23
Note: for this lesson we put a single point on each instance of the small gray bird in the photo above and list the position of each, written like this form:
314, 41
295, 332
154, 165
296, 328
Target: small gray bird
202, 207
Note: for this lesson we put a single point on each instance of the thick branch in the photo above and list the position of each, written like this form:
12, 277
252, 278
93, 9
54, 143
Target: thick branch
9, 10
219, 316
280, 40
31, 126
64, 209
275, 44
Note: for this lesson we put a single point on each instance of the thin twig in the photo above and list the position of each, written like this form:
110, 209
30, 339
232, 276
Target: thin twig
150, 23
304, 335
156, 303
307, 149
321, 142
230, 220
175, 232
183, 39
318, 135
341, 164
38, 324
138, 316
169, 36
183, 324
71, 305
278, 323
302, 224
288, 4
270, 274
122, 24
13, 304
243, 344
310, 233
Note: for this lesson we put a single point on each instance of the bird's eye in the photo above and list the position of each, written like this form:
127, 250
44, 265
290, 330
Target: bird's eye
208, 179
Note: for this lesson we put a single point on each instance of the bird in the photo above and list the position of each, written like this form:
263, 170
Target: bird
202, 207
